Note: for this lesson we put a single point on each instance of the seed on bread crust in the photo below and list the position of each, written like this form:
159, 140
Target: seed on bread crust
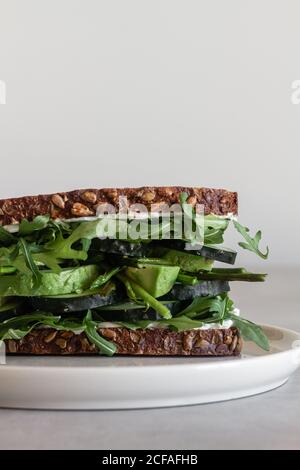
12, 347
80, 210
233, 344
58, 201
89, 196
62, 343
50, 337
192, 200
148, 196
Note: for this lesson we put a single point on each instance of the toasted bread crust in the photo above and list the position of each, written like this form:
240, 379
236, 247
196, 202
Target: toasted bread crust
84, 202
147, 342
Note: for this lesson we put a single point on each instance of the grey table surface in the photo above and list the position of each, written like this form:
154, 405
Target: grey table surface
267, 421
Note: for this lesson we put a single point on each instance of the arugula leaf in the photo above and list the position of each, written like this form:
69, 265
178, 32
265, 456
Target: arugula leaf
106, 347
30, 262
251, 244
214, 228
198, 306
38, 223
23, 324
196, 235
250, 331
62, 247
220, 306
48, 260
212, 309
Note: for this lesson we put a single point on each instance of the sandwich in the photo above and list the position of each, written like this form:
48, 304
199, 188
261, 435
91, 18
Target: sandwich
113, 272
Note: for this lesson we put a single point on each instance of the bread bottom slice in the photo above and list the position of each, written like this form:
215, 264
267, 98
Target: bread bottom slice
140, 342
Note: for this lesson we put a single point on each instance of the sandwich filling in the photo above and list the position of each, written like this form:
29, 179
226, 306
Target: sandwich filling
60, 274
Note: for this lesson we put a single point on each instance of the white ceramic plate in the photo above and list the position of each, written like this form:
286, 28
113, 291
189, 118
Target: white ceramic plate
136, 382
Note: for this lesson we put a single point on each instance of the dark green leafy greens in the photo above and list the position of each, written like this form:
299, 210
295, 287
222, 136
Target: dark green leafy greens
29, 227
25, 250
250, 244
41, 245
250, 331
90, 328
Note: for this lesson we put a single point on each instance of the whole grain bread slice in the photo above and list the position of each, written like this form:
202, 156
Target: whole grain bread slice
84, 202
140, 342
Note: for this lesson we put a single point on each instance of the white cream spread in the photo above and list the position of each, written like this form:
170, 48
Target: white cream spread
206, 326
13, 228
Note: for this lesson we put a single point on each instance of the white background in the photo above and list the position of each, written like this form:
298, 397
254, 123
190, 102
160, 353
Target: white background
160, 92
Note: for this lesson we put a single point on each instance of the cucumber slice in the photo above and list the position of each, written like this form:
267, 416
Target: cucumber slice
215, 252
140, 250
76, 302
202, 289
63, 304
222, 254
122, 247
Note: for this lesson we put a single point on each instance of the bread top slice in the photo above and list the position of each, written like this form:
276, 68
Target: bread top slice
84, 202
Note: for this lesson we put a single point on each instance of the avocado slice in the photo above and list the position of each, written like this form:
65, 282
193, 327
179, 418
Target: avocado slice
67, 281
156, 280
187, 262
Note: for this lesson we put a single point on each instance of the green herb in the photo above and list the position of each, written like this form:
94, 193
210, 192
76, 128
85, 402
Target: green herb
30, 262
62, 247
27, 228
214, 228
103, 278
209, 309
90, 329
18, 327
195, 233
250, 331
251, 244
